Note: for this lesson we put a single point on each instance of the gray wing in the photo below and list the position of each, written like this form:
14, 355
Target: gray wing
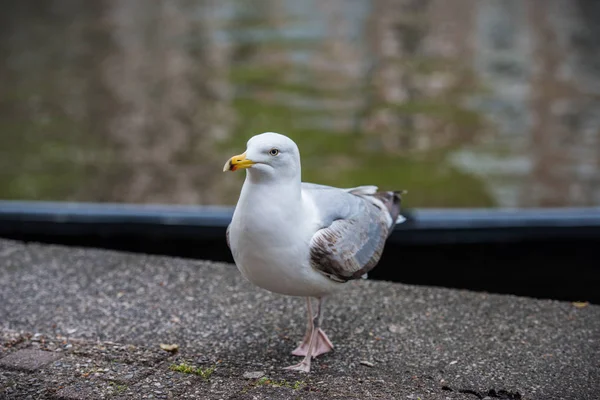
355, 223
227, 236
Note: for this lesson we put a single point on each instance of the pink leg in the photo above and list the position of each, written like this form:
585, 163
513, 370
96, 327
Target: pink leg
301, 350
304, 365
323, 344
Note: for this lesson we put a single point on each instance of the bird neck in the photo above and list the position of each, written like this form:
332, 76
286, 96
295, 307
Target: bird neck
281, 193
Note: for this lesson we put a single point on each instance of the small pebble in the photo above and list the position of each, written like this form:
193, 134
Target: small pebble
253, 375
367, 363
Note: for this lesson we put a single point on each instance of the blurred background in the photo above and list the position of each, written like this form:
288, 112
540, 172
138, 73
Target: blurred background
465, 103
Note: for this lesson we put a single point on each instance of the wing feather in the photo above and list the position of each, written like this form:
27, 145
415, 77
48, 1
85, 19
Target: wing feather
356, 225
227, 236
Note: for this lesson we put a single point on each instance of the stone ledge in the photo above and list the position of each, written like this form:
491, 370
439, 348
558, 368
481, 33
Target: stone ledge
28, 360
106, 314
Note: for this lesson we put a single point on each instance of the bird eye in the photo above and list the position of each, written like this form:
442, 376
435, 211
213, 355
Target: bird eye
274, 152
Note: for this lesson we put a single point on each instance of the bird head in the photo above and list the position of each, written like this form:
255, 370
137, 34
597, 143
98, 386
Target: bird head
268, 155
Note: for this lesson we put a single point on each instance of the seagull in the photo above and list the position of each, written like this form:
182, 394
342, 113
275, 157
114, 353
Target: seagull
304, 239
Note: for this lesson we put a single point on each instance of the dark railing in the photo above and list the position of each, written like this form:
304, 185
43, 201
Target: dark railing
549, 253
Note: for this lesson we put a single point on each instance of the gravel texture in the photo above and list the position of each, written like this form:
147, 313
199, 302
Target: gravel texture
100, 317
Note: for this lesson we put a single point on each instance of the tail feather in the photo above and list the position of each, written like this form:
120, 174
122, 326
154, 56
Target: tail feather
392, 201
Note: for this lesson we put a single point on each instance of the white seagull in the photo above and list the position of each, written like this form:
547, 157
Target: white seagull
303, 239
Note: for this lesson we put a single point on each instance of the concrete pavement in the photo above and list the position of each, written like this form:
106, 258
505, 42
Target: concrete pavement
84, 323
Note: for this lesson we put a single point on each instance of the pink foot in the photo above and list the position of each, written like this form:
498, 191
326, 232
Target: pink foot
302, 367
322, 346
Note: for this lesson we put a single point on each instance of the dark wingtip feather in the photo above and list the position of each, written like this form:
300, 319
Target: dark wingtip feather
392, 201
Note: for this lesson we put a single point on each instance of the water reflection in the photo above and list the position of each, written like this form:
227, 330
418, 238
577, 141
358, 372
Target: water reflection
463, 103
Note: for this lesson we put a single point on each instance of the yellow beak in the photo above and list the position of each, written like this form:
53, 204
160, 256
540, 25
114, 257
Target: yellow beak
237, 162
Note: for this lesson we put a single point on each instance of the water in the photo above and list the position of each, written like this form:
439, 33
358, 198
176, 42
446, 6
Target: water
468, 104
